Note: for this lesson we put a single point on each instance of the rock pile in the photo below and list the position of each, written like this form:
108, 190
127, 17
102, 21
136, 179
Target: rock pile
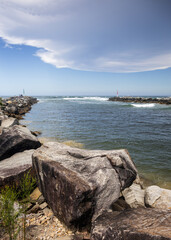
14, 140
17, 106
141, 100
95, 189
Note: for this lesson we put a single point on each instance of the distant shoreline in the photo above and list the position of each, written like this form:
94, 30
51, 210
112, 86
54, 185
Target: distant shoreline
158, 100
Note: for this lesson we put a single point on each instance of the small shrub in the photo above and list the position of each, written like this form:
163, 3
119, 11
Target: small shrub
26, 186
9, 215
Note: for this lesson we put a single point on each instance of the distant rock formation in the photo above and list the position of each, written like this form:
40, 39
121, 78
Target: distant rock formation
17, 106
141, 100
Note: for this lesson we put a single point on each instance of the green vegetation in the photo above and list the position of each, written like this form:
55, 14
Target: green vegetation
8, 213
12, 212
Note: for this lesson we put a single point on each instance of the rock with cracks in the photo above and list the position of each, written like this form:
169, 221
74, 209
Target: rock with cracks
79, 184
16, 139
13, 169
144, 224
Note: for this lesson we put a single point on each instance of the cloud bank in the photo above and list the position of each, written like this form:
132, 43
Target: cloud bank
92, 35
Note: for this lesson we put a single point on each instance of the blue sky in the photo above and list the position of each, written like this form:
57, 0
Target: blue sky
85, 47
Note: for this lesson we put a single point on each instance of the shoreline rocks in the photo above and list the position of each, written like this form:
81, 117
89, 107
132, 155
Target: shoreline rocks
14, 140
166, 100
79, 184
157, 197
12, 169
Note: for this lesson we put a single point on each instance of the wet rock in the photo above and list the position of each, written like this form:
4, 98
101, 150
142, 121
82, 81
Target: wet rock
16, 139
157, 197
144, 224
134, 196
12, 169
9, 122
78, 184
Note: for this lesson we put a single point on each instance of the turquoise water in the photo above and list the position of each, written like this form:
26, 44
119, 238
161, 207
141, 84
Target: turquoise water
143, 129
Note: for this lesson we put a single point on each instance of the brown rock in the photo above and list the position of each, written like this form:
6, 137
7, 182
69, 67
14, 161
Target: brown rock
133, 224
35, 194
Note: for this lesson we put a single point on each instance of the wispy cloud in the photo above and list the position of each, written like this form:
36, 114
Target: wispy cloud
108, 36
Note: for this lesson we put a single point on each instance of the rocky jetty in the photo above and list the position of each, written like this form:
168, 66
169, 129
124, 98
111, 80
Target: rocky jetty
17, 106
141, 100
17, 143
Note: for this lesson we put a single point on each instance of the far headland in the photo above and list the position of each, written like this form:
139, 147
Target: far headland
162, 100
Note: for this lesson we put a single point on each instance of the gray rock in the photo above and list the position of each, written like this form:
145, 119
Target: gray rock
3, 117
16, 139
157, 197
134, 196
78, 184
9, 122
13, 169
133, 224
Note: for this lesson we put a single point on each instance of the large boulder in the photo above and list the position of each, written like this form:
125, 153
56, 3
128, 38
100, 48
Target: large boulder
13, 169
134, 196
79, 184
16, 139
157, 197
133, 224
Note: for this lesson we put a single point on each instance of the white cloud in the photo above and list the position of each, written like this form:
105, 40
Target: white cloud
82, 34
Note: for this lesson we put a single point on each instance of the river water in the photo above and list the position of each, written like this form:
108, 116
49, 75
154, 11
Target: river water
95, 123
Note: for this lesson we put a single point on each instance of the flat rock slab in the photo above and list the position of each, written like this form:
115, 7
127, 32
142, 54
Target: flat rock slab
16, 139
13, 169
133, 224
78, 184
9, 122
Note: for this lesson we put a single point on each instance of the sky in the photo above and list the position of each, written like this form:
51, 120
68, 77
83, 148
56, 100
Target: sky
85, 47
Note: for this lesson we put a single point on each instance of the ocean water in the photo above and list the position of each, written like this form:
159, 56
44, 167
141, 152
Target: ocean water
95, 123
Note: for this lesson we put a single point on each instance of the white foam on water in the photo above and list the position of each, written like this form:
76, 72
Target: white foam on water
86, 98
144, 105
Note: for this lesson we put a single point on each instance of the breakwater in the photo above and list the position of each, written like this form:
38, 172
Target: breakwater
142, 100
17, 106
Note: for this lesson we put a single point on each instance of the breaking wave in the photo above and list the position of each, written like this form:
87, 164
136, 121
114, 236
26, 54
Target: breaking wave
86, 98
143, 105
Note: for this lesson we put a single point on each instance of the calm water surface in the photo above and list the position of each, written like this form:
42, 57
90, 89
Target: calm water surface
143, 129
